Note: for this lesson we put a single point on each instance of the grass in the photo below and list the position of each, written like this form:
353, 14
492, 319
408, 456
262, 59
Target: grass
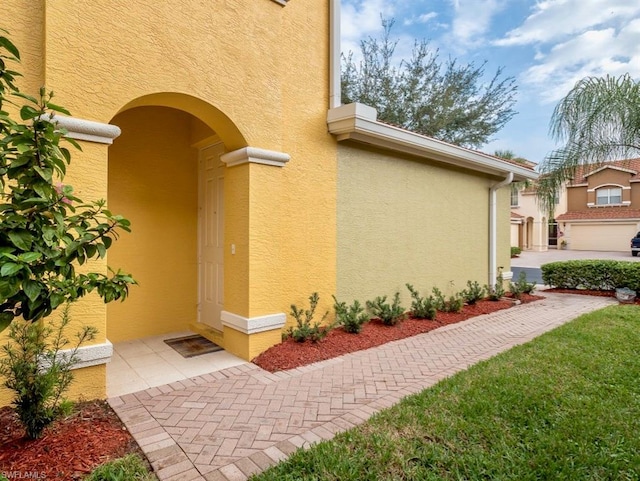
128, 468
565, 406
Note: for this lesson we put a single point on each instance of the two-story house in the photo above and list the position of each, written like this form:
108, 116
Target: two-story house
603, 207
217, 129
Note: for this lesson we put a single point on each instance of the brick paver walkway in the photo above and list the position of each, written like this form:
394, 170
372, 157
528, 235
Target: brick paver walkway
230, 424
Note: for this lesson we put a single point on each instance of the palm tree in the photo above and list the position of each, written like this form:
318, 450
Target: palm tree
598, 121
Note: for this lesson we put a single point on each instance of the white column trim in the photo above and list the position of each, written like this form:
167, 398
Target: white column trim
255, 156
92, 355
89, 130
253, 325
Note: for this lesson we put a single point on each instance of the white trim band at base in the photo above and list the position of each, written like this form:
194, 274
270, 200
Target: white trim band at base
92, 355
253, 325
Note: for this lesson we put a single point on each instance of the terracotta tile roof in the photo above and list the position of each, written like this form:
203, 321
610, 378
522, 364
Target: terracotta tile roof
585, 170
602, 213
516, 216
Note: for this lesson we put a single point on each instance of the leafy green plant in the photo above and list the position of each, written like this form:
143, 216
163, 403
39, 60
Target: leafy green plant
521, 286
389, 314
473, 293
603, 275
453, 304
127, 468
421, 307
352, 317
45, 231
496, 291
515, 251
305, 330
37, 370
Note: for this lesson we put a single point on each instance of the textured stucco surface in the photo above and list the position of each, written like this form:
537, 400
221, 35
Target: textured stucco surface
257, 75
248, 346
403, 221
153, 183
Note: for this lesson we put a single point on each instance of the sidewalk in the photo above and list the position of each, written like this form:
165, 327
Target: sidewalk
230, 424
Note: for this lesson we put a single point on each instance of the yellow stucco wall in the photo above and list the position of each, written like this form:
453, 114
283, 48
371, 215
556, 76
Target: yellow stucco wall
101, 57
153, 182
403, 221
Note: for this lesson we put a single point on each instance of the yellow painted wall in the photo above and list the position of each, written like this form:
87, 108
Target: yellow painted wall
257, 74
265, 67
403, 221
153, 183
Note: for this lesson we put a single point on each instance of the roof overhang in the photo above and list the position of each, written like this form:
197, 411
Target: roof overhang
358, 122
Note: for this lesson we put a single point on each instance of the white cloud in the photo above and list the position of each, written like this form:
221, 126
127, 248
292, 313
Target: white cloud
424, 18
472, 19
591, 53
553, 20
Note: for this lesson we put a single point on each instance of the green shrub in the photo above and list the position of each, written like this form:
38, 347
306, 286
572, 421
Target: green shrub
389, 314
603, 275
304, 330
422, 307
515, 251
496, 291
45, 231
521, 286
473, 293
352, 317
453, 304
37, 371
128, 468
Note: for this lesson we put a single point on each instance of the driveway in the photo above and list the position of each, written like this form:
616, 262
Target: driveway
529, 262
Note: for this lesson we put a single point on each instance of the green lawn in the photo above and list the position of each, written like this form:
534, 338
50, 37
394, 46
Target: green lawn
565, 406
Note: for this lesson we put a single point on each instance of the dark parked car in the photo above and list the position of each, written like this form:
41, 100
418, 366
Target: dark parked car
635, 245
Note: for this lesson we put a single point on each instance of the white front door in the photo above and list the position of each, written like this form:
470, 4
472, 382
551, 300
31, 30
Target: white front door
211, 235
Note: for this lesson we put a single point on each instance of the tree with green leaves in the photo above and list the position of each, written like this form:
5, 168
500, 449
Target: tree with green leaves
448, 101
598, 121
46, 232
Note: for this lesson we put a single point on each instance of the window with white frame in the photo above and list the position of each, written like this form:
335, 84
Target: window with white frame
514, 196
609, 195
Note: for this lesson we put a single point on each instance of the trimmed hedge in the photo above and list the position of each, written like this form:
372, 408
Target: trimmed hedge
603, 275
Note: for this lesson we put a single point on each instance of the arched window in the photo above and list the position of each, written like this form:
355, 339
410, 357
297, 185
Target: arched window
609, 195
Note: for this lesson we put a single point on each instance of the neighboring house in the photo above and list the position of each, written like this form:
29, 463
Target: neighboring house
530, 226
603, 208
217, 129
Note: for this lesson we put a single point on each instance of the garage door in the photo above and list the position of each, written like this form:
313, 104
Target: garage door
602, 237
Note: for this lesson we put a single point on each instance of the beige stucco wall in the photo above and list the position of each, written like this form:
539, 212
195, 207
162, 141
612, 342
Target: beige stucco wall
404, 221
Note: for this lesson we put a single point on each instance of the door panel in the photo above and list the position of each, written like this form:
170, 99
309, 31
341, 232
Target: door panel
211, 236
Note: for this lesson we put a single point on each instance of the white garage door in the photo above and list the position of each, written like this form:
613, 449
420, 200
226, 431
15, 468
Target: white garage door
515, 236
602, 237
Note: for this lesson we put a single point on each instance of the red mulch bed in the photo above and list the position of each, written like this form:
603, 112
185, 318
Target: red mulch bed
69, 449
290, 354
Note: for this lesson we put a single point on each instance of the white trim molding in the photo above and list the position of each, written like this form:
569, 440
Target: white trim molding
359, 122
88, 130
255, 156
253, 325
281, 2
92, 355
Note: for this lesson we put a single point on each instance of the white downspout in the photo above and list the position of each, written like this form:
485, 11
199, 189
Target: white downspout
493, 227
335, 99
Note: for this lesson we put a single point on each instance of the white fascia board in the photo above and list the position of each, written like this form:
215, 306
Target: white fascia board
358, 122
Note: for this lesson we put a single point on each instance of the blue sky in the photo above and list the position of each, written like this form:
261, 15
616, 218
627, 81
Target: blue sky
547, 45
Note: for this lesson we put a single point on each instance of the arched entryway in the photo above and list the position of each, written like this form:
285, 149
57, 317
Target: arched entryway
165, 175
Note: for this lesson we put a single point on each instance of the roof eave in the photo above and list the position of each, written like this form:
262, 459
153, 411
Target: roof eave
359, 122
